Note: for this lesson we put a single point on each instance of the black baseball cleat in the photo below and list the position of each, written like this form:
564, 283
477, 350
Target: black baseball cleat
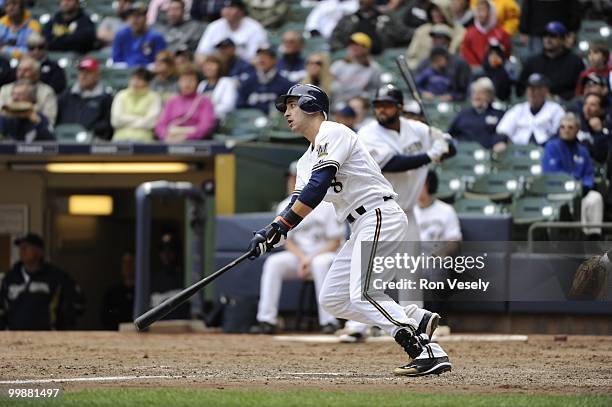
428, 324
422, 367
264, 328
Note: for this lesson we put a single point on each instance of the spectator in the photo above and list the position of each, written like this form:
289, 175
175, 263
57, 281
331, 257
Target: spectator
111, 25
45, 100
357, 72
537, 14
50, 72
261, 90
15, 28
87, 102
118, 303
383, 30
235, 66
189, 115
157, 11
599, 61
309, 252
135, 110
566, 154
344, 115
478, 122
178, 32
247, 34
19, 119
164, 82
596, 126
317, 72
438, 221
70, 29
496, 68
361, 107
137, 44
478, 36
462, 13
439, 12
36, 295
326, 14
183, 57
440, 79
220, 89
269, 13
559, 64
206, 10
7, 74
508, 14
534, 121
291, 63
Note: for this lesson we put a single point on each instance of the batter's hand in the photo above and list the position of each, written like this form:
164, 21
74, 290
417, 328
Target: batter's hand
437, 150
268, 238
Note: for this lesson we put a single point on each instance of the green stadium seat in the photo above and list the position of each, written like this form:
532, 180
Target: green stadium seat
244, 121
512, 151
72, 133
476, 207
534, 209
501, 186
474, 150
465, 167
556, 186
521, 166
449, 186
287, 137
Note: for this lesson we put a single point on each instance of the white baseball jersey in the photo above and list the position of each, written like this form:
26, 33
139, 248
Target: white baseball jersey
317, 229
358, 181
248, 37
383, 144
438, 222
519, 123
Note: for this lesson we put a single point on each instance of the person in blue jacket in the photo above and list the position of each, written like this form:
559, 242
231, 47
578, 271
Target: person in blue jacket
261, 90
137, 44
566, 154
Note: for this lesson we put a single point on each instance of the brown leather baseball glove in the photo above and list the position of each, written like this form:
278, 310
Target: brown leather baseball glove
590, 280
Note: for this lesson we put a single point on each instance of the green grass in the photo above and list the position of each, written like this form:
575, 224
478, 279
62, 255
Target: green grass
203, 397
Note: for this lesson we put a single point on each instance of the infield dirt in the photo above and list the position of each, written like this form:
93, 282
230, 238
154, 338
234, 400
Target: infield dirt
209, 360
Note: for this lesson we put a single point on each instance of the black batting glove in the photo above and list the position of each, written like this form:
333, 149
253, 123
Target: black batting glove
268, 238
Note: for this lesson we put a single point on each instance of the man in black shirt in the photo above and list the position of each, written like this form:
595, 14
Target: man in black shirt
36, 295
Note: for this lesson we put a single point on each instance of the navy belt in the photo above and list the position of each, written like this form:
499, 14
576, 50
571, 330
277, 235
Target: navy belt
361, 210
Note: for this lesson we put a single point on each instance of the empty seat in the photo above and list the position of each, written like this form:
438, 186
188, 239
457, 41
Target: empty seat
501, 186
476, 207
72, 133
556, 186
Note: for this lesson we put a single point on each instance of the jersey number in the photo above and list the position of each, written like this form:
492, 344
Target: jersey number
337, 185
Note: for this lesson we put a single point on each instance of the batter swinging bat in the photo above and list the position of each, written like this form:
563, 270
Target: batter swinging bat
409, 79
163, 309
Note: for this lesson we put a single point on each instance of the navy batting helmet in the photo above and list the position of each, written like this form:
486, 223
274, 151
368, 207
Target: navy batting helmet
389, 93
312, 99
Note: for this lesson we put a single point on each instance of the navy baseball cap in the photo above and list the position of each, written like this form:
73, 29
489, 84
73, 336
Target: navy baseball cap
234, 3
537, 79
556, 28
32, 239
227, 42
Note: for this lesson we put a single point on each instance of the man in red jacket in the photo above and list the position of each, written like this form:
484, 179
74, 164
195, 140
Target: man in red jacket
485, 28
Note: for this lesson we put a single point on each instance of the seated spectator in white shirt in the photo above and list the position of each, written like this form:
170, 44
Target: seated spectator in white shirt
325, 16
534, 121
222, 90
46, 100
247, 34
156, 12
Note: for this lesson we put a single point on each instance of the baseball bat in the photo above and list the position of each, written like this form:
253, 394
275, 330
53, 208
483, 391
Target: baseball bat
163, 309
409, 79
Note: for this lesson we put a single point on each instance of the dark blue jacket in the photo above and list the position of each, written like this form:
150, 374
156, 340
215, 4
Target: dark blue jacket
240, 70
17, 128
571, 158
77, 34
292, 67
472, 125
137, 51
256, 95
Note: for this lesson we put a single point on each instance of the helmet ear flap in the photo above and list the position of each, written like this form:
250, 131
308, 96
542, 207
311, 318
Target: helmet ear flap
308, 104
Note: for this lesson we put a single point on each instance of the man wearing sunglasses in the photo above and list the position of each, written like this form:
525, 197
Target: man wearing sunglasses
50, 72
559, 64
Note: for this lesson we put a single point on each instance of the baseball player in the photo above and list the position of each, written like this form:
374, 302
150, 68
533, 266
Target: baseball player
402, 148
338, 168
309, 252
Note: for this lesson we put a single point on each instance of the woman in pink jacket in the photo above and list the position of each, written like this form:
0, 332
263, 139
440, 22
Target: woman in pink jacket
187, 116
